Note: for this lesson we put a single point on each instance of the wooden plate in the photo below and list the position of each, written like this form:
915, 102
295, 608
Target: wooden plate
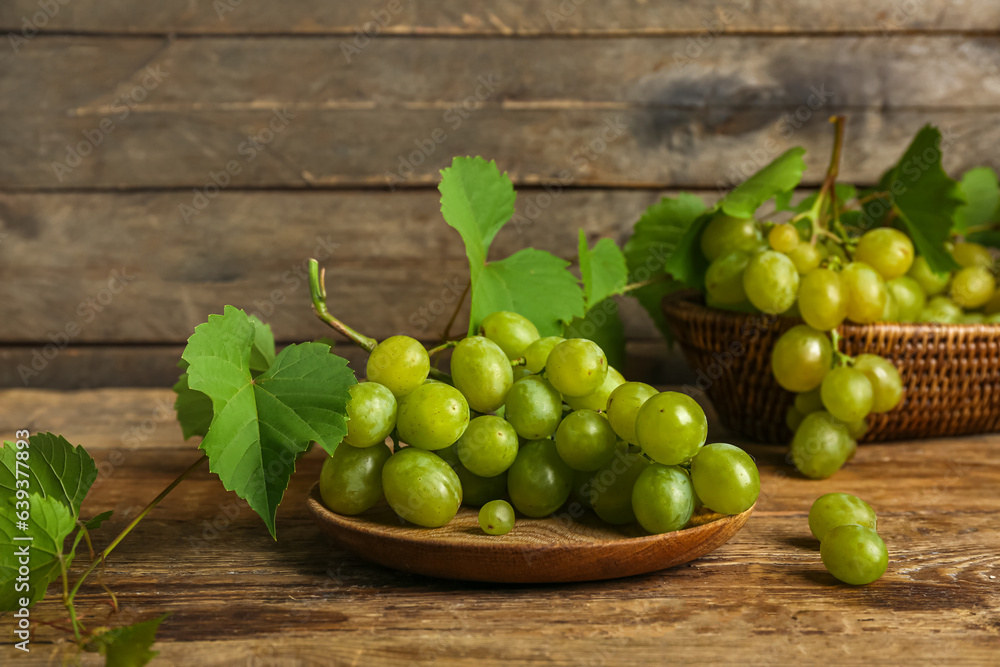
535, 551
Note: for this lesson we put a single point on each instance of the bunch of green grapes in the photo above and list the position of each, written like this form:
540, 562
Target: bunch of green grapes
825, 279
526, 423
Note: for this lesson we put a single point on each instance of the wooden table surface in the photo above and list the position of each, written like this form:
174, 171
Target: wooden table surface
237, 597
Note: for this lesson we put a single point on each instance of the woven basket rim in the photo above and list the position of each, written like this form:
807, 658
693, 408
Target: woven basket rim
687, 303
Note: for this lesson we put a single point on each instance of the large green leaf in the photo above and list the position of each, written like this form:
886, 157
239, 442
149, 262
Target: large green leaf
665, 241
55, 469
925, 198
982, 197
194, 409
261, 425
262, 351
780, 176
49, 522
477, 200
602, 270
533, 283
129, 646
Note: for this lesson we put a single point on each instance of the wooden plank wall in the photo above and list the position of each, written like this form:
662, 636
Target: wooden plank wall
159, 160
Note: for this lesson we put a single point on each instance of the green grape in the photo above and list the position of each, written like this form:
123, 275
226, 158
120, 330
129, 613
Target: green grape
399, 363
488, 446
663, 498
585, 440
482, 372
583, 488
847, 394
932, 283
537, 353
371, 414
866, 293
518, 372
940, 309
973, 287
671, 427
821, 445
887, 250
511, 331
351, 480
539, 482
856, 429
801, 358
599, 399
784, 238
421, 488
476, 490
496, 517
533, 407
793, 417
909, 296
432, 416
839, 509
822, 299
724, 278
724, 234
612, 487
809, 401
771, 282
891, 311
623, 406
854, 554
726, 478
887, 386
576, 367
806, 257
972, 254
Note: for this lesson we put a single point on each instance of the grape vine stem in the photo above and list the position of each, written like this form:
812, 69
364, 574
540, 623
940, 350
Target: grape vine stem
317, 292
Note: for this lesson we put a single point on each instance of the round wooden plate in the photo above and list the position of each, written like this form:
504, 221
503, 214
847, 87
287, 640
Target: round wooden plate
535, 551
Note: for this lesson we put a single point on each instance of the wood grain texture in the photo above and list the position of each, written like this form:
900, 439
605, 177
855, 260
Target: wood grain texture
76, 115
238, 597
557, 549
509, 17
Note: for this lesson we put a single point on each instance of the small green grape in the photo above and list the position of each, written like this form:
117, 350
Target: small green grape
612, 487
585, 440
537, 353
482, 372
623, 406
511, 331
726, 478
887, 250
839, 509
488, 446
854, 554
724, 233
809, 401
806, 257
576, 367
432, 416
821, 445
801, 358
421, 488
823, 299
940, 309
533, 407
932, 283
909, 296
671, 427
724, 278
887, 386
371, 414
784, 238
866, 293
399, 363
663, 498
972, 255
793, 418
350, 481
973, 287
771, 282
847, 394
599, 399
496, 517
539, 481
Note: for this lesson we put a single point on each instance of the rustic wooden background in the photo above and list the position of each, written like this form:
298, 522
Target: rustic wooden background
337, 116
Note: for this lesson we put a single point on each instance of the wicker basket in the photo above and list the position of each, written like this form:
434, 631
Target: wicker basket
951, 373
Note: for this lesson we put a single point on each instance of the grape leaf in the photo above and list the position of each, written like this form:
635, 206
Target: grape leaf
844, 192
603, 325
477, 200
982, 195
92, 524
56, 469
780, 176
260, 425
602, 269
49, 522
193, 408
925, 198
665, 241
533, 283
129, 646
262, 352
